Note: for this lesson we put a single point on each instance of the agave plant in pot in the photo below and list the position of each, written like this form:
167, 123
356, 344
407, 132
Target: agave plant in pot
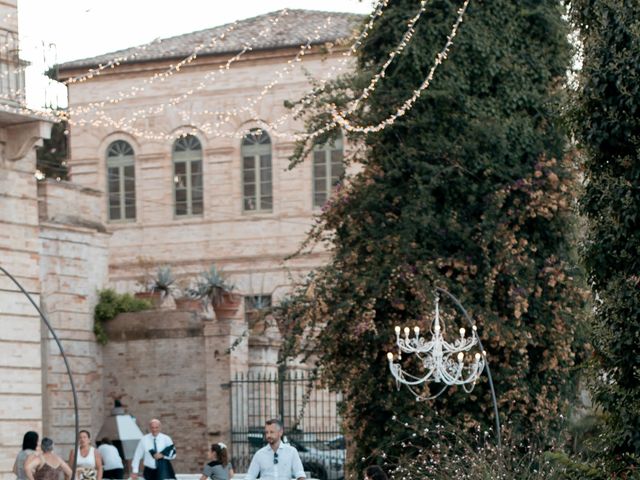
160, 288
214, 291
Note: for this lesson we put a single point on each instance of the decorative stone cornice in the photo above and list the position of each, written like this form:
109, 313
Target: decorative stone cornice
23, 137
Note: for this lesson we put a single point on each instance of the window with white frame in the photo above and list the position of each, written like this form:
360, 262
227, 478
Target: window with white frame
121, 181
187, 176
328, 169
256, 172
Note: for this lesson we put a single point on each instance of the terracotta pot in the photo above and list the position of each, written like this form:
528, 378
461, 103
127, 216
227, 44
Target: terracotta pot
157, 300
228, 305
154, 298
188, 304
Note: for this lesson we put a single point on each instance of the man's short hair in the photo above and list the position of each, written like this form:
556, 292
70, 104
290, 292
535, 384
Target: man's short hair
275, 421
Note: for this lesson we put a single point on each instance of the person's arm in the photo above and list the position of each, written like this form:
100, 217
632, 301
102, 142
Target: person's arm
231, 472
137, 456
98, 456
71, 454
66, 469
31, 463
15, 467
297, 470
254, 468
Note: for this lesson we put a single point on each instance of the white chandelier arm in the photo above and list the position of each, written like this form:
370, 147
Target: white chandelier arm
406, 378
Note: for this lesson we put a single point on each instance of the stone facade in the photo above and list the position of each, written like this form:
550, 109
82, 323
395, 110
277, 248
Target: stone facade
21, 358
250, 247
73, 267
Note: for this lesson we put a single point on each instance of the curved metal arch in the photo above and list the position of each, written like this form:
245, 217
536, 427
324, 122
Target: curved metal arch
66, 364
493, 391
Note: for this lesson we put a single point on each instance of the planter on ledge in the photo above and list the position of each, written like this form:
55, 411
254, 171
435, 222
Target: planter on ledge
227, 305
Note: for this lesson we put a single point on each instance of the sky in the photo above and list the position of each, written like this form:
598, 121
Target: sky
62, 30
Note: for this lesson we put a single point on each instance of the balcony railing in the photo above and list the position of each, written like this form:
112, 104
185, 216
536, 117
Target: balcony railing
12, 91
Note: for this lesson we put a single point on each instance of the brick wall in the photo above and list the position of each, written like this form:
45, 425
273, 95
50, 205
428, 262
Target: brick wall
158, 363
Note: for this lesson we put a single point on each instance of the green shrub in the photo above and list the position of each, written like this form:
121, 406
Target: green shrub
110, 305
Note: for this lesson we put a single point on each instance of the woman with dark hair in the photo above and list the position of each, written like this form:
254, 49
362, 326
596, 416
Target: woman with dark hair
374, 472
89, 464
46, 465
29, 447
219, 466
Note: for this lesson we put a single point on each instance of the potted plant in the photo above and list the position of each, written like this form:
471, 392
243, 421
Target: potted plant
159, 289
213, 290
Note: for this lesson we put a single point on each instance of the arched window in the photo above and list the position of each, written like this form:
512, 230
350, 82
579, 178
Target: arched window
121, 181
187, 176
328, 169
256, 171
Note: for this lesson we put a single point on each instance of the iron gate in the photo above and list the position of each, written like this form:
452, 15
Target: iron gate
309, 413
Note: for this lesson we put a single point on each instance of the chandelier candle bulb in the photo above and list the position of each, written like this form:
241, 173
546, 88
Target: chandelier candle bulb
460, 357
390, 356
397, 330
406, 331
462, 330
417, 331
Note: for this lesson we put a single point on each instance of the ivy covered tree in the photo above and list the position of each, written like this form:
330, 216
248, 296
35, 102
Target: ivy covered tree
607, 121
470, 190
51, 158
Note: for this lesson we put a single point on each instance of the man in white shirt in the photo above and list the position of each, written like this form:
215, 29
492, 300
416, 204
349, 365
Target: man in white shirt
155, 449
277, 460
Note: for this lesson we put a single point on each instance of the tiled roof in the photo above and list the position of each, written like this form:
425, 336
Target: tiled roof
284, 28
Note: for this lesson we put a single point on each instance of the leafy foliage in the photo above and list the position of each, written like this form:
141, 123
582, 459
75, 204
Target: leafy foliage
469, 191
52, 156
210, 286
110, 305
163, 281
607, 123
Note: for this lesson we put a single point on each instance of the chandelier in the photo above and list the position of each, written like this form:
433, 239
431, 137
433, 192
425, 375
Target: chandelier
443, 362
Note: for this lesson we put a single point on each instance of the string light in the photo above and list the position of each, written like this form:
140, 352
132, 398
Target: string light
340, 120
135, 90
406, 38
248, 107
104, 119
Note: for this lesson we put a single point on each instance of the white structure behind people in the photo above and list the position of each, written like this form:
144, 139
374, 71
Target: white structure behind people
276, 460
156, 450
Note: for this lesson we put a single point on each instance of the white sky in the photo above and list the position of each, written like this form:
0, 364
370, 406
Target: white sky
53, 31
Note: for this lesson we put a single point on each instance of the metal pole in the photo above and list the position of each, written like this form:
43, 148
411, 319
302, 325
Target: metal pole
493, 391
66, 364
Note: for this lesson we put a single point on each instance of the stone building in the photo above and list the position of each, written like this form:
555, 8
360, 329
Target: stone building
39, 241
178, 155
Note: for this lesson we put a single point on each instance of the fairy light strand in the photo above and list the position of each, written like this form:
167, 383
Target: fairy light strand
340, 120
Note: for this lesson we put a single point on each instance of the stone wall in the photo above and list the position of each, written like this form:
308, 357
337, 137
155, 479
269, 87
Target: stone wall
73, 267
21, 381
